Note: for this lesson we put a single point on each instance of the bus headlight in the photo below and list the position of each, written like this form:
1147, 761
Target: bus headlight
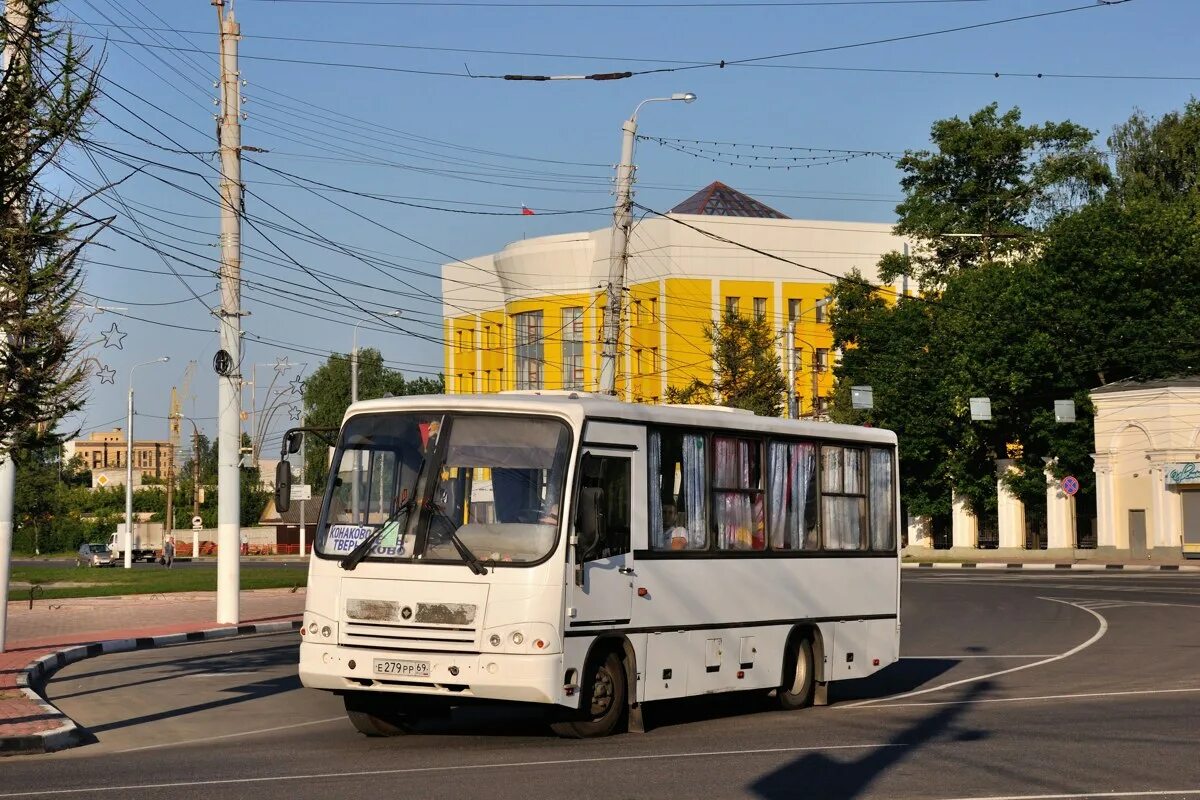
524, 638
495, 640
518, 638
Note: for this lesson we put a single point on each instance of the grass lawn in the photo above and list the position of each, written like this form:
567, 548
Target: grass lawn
57, 582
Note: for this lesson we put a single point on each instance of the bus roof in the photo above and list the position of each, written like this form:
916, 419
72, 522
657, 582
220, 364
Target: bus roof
582, 406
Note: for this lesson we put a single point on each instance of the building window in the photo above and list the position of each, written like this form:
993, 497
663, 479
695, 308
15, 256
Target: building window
653, 309
822, 358
821, 306
488, 341
530, 358
793, 310
732, 305
572, 330
637, 312
760, 308
459, 343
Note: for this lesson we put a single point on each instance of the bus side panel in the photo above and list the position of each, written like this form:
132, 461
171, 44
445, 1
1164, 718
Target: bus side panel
665, 675
861, 648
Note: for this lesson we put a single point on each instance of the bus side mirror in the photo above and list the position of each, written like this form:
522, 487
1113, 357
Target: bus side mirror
283, 485
293, 442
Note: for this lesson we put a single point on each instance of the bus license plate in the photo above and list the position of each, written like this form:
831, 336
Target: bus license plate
410, 669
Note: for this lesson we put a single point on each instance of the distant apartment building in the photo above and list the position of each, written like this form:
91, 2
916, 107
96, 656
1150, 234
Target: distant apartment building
104, 454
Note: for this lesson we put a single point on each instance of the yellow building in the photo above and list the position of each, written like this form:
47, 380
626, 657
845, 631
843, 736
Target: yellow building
531, 316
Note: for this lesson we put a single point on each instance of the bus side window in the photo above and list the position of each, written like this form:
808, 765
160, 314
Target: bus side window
604, 508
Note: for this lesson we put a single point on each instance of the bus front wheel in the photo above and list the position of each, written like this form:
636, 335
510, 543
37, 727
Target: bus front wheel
796, 690
602, 700
375, 715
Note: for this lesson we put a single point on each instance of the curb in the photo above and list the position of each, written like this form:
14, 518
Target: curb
1051, 566
67, 734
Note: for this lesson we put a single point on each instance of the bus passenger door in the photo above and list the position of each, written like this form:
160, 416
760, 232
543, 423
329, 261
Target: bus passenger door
602, 556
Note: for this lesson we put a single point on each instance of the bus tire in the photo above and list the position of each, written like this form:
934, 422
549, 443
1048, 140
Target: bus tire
602, 699
796, 690
374, 716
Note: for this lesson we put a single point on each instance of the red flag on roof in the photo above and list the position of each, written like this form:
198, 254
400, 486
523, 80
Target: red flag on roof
526, 211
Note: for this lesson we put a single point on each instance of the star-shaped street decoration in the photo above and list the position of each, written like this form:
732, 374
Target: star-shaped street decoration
107, 374
90, 311
294, 412
113, 337
297, 384
282, 365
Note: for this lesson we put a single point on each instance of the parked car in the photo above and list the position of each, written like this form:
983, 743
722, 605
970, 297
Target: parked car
94, 554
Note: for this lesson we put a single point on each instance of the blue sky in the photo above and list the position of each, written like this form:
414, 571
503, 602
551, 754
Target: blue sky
492, 146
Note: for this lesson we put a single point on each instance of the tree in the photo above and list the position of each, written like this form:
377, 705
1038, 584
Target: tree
1159, 158
327, 396
747, 374
989, 185
45, 97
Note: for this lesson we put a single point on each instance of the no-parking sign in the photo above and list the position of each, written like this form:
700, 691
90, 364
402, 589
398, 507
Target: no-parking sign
1070, 485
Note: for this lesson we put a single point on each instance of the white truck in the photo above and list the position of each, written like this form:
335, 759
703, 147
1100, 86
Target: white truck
145, 544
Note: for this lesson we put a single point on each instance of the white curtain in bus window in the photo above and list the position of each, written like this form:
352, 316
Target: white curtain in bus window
658, 532
694, 473
883, 505
843, 498
678, 465
792, 477
737, 494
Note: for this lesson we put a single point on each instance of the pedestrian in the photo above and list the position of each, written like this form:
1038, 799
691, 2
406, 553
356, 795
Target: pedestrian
169, 552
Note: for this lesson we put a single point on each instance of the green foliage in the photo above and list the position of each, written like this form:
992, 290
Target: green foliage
1107, 296
986, 188
104, 582
747, 375
327, 396
45, 97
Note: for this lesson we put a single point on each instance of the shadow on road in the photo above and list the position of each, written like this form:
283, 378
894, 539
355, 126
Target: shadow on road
818, 775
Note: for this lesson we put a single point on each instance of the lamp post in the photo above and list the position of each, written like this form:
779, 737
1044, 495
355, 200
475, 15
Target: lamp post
793, 410
354, 399
619, 253
354, 356
129, 465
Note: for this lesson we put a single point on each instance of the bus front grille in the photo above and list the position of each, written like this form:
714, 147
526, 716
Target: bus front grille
408, 637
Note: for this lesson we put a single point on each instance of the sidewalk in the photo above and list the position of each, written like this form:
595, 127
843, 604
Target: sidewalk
53, 625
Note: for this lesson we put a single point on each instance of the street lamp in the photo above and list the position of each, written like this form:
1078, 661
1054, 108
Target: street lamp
354, 355
793, 402
128, 548
619, 258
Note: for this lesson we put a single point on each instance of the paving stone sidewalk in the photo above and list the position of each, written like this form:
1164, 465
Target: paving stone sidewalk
52, 625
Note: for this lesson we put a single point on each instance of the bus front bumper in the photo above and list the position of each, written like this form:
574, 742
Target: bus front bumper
492, 676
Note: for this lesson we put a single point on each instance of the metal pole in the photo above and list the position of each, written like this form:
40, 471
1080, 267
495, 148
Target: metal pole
814, 382
195, 489
618, 258
128, 546
16, 48
354, 501
792, 411
303, 522
229, 386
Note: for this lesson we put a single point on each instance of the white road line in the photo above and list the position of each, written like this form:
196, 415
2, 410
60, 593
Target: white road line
233, 735
1135, 793
948, 658
1077, 648
217, 674
368, 773
1079, 696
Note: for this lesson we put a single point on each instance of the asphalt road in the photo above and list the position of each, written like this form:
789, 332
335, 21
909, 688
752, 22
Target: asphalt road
1013, 685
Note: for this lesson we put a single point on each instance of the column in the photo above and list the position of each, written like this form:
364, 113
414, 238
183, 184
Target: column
1010, 511
1166, 526
1060, 514
920, 533
964, 527
1107, 507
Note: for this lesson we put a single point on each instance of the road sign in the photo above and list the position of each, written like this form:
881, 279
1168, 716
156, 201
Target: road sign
197, 523
1070, 485
302, 491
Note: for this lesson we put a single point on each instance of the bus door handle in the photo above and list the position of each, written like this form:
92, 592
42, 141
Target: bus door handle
625, 570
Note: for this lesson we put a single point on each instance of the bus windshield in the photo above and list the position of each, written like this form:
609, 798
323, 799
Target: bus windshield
417, 481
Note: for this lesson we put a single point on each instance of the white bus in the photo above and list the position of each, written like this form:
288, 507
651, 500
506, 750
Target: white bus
591, 556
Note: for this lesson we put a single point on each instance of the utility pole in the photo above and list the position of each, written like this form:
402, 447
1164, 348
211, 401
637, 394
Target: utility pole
792, 411
814, 383
303, 518
229, 424
195, 489
16, 53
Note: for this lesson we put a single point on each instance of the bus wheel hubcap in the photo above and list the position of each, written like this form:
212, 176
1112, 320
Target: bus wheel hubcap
602, 693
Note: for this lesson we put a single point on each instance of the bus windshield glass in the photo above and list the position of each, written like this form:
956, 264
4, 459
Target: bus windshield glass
416, 482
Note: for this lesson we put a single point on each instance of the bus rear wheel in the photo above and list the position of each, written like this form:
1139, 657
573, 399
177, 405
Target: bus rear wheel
373, 714
602, 699
796, 690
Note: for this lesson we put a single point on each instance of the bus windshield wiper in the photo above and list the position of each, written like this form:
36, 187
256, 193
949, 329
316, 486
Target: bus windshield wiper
355, 556
474, 564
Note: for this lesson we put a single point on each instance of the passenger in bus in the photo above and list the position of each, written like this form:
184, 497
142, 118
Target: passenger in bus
673, 530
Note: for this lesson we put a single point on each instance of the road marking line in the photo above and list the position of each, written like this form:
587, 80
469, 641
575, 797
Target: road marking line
948, 658
1037, 697
367, 773
1077, 648
1146, 793
232, 735
218, 674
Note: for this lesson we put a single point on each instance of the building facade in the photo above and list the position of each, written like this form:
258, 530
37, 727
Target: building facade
531, 316
104, 454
